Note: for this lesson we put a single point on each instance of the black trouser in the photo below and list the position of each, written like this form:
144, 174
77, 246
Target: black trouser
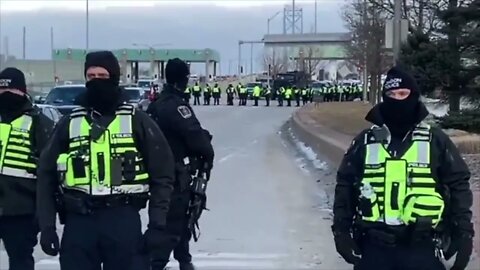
267, 100
230, 100
418, 256
289, 102
108, 235
304, 100
255, 99
196, 100
297, 99
280, 100
216, 100
177, 224
19, 236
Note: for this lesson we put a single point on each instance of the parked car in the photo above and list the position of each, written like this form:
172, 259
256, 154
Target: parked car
50, 111
64, 97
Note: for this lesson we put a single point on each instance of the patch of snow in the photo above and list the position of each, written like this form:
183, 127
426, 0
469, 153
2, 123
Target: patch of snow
308, 153
439, 109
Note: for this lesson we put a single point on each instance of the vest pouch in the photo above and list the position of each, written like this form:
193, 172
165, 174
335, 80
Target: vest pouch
395, 189
116, 172
62, 165
129, 172
78, 172
422, 206
368, 206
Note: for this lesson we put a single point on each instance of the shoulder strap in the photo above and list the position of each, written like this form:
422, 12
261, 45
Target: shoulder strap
422, 132
78, 112
125, 109
377, 134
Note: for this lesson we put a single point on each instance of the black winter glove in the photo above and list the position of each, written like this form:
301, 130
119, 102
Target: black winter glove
347, 247
462, 245
49, 241
158, 238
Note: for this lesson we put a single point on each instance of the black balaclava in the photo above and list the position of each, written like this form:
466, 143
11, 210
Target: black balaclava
12, 78
176, 73
103, 95
400, 115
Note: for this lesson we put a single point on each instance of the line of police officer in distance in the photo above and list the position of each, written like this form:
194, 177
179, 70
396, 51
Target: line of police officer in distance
291, 95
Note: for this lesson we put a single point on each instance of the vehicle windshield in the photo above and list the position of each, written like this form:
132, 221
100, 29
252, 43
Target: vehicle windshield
253, 85
133, 94
144, 84
64, 95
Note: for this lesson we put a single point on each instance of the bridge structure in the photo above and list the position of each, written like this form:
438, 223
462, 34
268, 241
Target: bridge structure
309, 46
320, 46
130, 58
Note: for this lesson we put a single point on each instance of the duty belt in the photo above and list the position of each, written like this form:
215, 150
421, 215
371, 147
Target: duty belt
87, 205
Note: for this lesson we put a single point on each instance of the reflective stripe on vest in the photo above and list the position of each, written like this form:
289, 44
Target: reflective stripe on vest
100, 167
399, 191
16, 157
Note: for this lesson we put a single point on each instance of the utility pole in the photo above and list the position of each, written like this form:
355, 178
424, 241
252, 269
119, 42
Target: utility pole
6, 48
316, 15
293, 16
239, 59
24, 42
397, 30
365, 55
251, 58
52, 46
87, 30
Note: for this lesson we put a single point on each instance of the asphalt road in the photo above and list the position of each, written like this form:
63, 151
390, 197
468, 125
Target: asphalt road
267, 209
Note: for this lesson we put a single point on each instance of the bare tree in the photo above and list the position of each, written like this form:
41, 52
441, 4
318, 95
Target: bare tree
312, 59
367, 25
275, 61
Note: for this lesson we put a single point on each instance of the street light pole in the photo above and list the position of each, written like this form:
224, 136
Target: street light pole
270, 19
87, 28
316, 16
397, 30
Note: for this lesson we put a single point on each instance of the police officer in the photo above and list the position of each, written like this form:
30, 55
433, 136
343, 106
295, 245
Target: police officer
24, 131
402, 184
230, 94
207, 93
197, 91
216, 92
267, 94
187, 138
188, 93
109, 159
256, 94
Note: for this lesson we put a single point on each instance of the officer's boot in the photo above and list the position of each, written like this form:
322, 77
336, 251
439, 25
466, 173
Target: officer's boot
187, 266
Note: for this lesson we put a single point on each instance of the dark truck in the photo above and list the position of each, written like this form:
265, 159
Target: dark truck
297, 78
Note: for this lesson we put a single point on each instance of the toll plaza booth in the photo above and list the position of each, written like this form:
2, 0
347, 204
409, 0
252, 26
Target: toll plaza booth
130, 58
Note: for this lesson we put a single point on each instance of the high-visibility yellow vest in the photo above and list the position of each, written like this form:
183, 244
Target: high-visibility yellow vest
196, 88
110, 165
216, 90
397, 191
187, 90
17, 155
256, 91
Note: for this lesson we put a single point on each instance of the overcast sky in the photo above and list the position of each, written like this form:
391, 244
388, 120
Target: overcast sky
183, 24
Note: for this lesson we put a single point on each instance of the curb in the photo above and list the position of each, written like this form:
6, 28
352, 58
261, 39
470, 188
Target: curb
332, 145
